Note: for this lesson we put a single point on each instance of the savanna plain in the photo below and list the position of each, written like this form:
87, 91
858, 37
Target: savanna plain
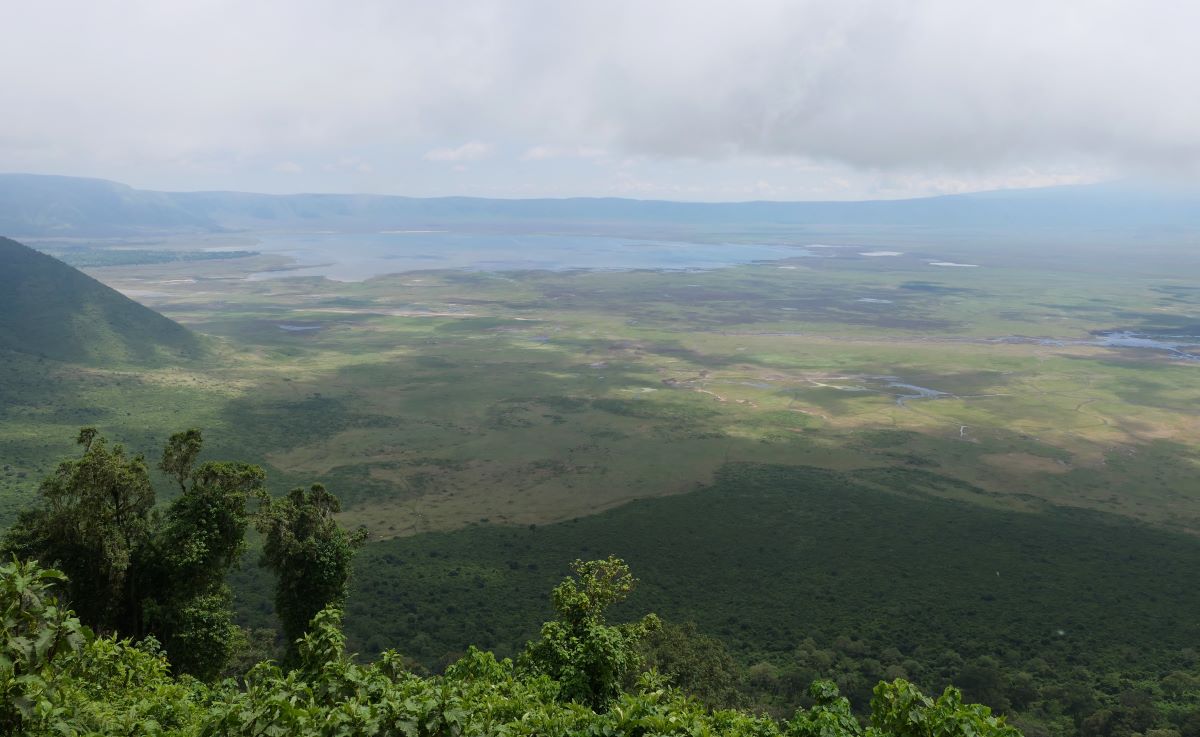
957, 462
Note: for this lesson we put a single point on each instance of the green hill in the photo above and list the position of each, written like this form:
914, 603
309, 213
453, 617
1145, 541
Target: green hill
50, 309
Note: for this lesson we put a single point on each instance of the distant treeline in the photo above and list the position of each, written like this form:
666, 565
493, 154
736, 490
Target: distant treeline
83, 257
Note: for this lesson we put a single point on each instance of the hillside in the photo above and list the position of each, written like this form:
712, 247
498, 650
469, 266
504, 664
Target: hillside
53, 310
70, 206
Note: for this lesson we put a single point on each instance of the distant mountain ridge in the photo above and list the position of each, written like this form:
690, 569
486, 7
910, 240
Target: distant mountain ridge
38, 205
48, 206
50, 309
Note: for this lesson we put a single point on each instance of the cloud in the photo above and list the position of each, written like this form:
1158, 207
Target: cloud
289, 167
471, 151
872, 90
545, 152
959, 85
350, 164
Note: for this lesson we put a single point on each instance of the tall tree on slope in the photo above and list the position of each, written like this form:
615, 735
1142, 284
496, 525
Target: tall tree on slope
310, 555
132, 571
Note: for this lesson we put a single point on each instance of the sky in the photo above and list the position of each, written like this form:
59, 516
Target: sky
663, 99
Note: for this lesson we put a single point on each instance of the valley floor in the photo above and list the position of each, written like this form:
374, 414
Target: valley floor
937, 463
434, 400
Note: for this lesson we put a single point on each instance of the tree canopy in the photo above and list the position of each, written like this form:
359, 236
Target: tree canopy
58, 678
309, 553
589, 658
135, 570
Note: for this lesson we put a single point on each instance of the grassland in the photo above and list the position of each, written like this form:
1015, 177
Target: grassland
434, 400
843, 465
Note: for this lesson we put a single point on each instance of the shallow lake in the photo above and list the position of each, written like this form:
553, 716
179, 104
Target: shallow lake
1181, 346
359, 256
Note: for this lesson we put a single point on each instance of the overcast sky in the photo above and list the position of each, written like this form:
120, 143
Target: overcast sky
688, 99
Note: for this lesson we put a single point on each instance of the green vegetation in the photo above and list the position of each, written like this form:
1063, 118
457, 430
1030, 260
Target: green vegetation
1055, 616
95, 523
433, 400
82, 257
135, 573
60, 679
588, 658
1027, 612
752, 440
309, 554
51, 310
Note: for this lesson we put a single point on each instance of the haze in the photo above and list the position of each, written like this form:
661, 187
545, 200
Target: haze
673, 100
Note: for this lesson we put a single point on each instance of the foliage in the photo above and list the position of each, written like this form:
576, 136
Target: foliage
179, 455
113, 686
900, 710
697, 663
829, 716
804, 574
95, 523
133, 572
34, 631
589, 658
201, 540
102, 686
309, 553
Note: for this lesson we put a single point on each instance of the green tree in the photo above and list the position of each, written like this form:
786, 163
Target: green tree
132, 571
95, 523
310, 555
698, 664
58, 679
830, 715
982, 680
203, 531
179, 455
899, 709
587, 657
202, 537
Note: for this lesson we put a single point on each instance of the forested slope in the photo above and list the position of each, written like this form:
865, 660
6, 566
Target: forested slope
151, 648
579, 677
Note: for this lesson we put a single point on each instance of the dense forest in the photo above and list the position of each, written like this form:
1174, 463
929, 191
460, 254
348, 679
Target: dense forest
1069, 622
118, 619
581, 676
150, 645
